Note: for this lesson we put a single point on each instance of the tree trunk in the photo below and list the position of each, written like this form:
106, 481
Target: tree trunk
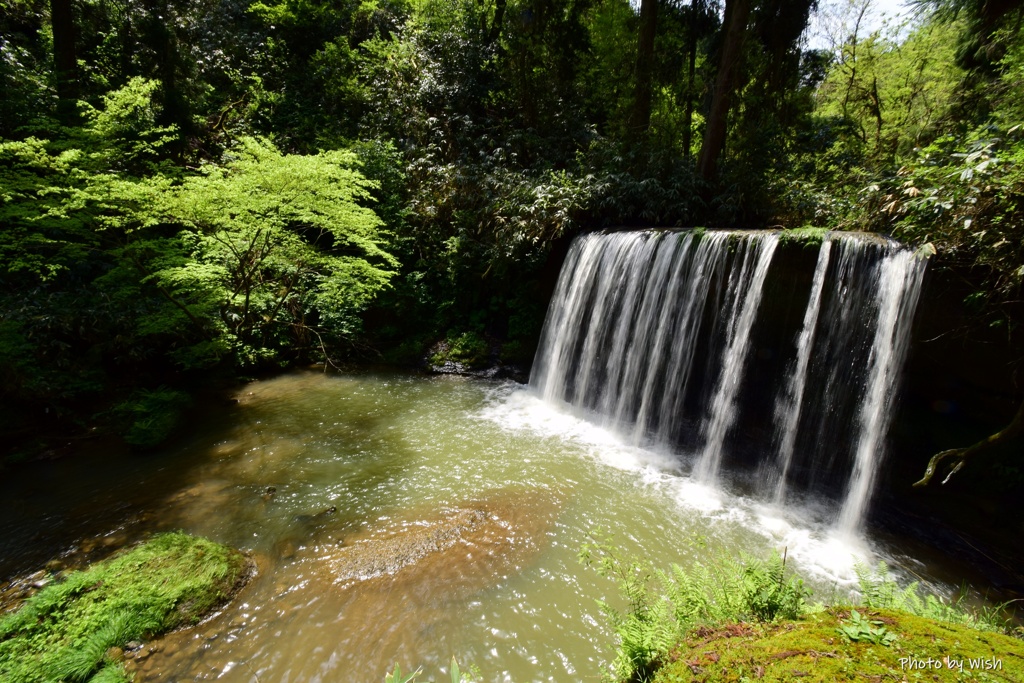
162, 40
499, 16
691, 74
736, 14
852, 59
640, 119
64, 60
992, 11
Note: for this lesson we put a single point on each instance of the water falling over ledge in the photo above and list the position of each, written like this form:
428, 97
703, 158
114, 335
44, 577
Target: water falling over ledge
747, 360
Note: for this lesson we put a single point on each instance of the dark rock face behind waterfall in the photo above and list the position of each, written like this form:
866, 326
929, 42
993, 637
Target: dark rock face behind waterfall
775, 368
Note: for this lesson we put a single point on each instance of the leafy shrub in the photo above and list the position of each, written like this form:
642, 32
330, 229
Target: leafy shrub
468, 348
962, 194
152, 415
861, 629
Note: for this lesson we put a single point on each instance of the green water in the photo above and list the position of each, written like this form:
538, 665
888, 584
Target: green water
309, 464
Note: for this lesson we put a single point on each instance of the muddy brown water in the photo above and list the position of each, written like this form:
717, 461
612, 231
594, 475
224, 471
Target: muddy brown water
402, 519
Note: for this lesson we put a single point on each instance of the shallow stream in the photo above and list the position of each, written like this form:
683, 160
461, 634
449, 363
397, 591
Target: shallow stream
402, 519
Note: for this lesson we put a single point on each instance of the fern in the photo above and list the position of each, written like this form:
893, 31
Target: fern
643, 641
767, 592
664, 605
879, 589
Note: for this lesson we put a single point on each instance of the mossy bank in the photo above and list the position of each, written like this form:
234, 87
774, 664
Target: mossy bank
886, 645
75, 630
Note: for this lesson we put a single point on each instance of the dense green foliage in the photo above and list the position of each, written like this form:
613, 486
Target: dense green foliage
64, 632
233, 185
122, 269
918, 137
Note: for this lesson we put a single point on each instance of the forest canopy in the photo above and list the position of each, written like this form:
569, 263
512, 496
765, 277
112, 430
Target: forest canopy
231, 185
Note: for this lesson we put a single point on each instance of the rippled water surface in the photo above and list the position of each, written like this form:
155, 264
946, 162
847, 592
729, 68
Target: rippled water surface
397, 518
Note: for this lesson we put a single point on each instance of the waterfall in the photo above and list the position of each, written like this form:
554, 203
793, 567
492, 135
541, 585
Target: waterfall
626, 314
674, 345
680, 340
847, 366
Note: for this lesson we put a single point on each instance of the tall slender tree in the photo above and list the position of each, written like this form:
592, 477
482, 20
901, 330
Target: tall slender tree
65, 62
698, 12
737, 13
640, 118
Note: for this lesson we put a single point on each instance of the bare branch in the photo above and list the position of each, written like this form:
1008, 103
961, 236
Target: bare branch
959, 456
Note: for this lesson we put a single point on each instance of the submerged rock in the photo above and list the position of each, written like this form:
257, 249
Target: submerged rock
314, 519
391, 588
374, 557
473, 542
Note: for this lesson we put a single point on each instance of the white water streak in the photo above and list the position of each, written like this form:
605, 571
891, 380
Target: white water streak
550, 369
790, 405
722, 412
899, 290
682, 341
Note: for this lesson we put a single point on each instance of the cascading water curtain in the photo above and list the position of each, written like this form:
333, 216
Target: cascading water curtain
651, 333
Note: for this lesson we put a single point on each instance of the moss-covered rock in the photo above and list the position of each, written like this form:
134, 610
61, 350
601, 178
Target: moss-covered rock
468, 350
819, 648
807, 236
73, 630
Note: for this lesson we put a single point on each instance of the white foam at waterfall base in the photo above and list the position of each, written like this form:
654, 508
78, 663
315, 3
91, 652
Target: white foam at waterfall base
802, 529
517, 407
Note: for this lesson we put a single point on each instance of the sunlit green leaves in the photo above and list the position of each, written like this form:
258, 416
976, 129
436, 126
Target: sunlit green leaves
276, 243
895, 91
127, 126
262, 258
963, 195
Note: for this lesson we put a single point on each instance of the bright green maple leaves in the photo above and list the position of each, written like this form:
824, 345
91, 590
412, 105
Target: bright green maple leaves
259, 255
275, 246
